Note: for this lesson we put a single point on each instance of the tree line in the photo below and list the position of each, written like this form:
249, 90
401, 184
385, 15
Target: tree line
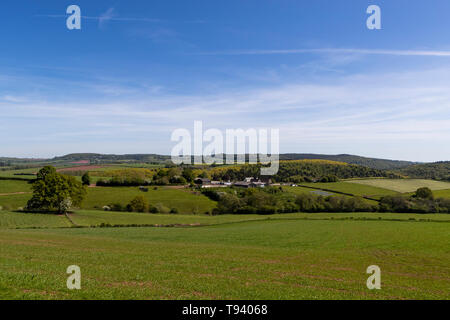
274, 200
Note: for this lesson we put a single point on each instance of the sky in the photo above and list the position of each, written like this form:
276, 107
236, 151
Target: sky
138, 70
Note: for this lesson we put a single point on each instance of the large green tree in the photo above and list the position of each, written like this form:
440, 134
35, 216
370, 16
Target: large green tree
53, 191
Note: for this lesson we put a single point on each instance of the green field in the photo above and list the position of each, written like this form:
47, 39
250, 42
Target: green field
14, 201
354, 189
96, 218
442, 193
12, 186
280, 258
403, 185
18, 220
13, 173
319, 191
185, 201
185, 256
299, 190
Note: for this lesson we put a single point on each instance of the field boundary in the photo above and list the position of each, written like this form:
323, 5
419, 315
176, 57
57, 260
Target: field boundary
16, 179
196, 225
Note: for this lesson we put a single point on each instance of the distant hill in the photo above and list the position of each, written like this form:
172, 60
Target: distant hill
97, 157
381, 164
298, 171
94, 158
435, 170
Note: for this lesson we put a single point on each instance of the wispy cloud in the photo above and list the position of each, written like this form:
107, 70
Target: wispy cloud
111, 15
13, 99
105, 17
423, 53
393, 115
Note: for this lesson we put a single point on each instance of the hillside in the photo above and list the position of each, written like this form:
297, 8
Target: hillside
381, 164
302, 170
436, 171
102, 158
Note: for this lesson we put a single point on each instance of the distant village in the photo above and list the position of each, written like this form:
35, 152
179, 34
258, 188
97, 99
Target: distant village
249, 182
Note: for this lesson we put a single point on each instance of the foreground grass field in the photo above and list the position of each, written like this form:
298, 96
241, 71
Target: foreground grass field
24, 220
403, 185
265, 259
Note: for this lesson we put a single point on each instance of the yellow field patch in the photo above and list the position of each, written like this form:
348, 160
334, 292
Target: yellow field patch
404, 185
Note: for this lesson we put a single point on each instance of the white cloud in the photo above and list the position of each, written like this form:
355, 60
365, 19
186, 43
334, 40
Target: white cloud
106, 16
432, 53
392, 115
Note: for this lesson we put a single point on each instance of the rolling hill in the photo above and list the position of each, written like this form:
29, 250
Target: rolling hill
381, 164
435, 171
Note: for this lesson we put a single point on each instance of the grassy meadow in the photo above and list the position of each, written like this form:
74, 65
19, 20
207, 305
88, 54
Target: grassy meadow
19, 220
15, 173
14, 186
126, 255
184, 200
15, 194
96, 218
402, 185
354, 189
442, 193
261, 259
14, 201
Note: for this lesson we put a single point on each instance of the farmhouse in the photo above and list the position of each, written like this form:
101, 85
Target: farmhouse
250, 183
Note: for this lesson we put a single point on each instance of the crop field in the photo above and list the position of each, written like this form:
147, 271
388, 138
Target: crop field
260, 259
18, 220
442, 193
80, 168
141, 165
14, 201
12, 186
403, 185
354, 189
16, 173
300, 190
183, 200
318, 191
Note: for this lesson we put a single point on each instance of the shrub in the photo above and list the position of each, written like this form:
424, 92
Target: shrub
161, 208
424, 193
138, 204
116, 207
86, 179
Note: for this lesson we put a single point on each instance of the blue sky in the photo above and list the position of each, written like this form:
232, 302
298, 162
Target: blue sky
137, 70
